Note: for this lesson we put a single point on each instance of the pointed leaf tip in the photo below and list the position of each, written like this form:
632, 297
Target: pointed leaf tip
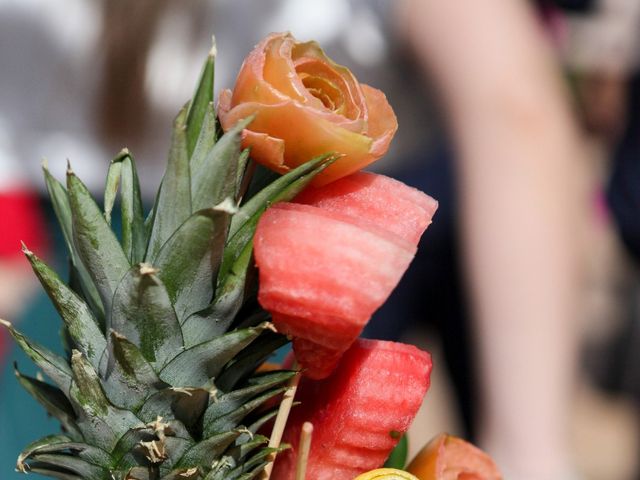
25, 249
228, 206
5, 323
213, 52
148, 269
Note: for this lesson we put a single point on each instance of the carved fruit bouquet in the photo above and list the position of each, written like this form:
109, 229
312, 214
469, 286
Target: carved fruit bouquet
264, 231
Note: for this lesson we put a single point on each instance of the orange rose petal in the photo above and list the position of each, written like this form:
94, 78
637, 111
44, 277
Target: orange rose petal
306, 136
352, 104
269, 150
279, 72
382, 121
224, 105
250, 85
309, 51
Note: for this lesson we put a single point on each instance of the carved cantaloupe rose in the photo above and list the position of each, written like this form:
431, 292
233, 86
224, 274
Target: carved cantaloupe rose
450, 458
306, 105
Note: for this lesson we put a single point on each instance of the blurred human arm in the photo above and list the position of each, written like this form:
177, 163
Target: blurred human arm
518, 166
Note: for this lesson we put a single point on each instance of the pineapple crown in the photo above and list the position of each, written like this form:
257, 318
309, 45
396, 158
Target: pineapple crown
161, 325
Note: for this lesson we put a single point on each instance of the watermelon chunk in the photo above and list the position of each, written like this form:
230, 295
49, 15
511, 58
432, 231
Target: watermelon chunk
328, 261
359, 412
322, 276
377, 199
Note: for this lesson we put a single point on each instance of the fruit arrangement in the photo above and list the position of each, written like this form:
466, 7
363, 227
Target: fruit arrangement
168, 322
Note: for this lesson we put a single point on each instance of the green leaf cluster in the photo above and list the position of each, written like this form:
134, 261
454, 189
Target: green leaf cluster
164, 333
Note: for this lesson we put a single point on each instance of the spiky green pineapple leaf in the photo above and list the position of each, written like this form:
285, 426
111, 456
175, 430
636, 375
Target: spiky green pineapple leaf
215, 176
193, 473
53, 365
261, 177
184, 404
176, 448
257, 424
116, 403
220, 472
81, 325
243, 224
143, 312
241, 451
222, 423
49, 440
251, 468
245, 363
216, 318
111, 187
40, 469
232, 401
244, 174
173, 203
161, 452
100, 422
95, 242
262, 199
54, 401
196, 366
206, 141
72, 464
202, 99
62, 210
191, 257
60, 453
122, 172
60, 444
129, 378
201, 453
126, 454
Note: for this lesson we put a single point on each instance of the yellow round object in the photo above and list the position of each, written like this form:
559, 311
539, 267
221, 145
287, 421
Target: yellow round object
386, 474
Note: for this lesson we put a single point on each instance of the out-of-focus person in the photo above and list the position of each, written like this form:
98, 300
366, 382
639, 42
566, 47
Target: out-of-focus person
518, 153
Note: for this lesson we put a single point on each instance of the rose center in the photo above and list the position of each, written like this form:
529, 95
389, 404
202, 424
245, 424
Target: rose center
325, 91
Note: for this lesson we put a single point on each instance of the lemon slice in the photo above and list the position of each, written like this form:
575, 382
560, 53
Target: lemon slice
386, 474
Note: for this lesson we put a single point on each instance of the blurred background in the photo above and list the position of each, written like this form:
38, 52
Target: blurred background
536, 103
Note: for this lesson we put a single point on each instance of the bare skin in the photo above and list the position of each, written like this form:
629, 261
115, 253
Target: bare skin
518, 154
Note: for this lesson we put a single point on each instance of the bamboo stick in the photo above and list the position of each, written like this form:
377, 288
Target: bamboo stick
281, 421
303, 450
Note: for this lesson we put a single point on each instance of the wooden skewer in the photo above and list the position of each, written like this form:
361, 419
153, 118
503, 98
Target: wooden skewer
281, 421
303, 450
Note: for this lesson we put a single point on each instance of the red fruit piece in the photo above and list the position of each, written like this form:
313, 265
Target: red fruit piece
317, 361
359, 412
377, 199
322, 275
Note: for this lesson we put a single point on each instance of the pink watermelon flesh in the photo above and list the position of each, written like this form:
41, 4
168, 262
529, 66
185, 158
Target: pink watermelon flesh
377, 199
359, 412
321, 276
318, 361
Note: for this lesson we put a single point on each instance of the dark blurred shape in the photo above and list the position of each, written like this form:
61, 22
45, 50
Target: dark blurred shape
578, 6
128, 31
624, 187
